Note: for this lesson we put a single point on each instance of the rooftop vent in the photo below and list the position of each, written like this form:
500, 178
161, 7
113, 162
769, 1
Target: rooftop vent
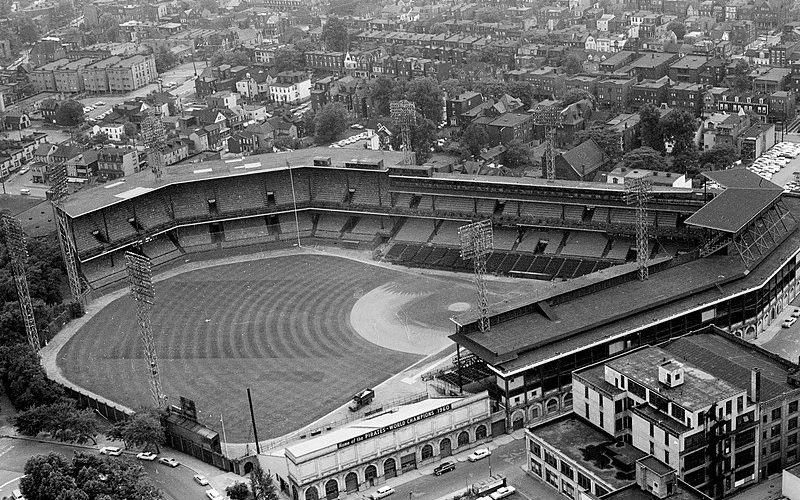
670, 373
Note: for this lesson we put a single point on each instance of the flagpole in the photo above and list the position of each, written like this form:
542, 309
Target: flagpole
294, 201
224, 439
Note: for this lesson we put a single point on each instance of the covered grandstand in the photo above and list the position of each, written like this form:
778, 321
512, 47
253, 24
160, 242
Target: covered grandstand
545, 230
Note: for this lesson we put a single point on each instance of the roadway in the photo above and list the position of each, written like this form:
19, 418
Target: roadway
176, 483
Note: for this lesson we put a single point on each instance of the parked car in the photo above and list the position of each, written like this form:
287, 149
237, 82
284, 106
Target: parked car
146, 455
110, 450
382, 493
169, 461
201, 480
213, 494
789, 322
503, 492
796, 313
479, 454
444, 467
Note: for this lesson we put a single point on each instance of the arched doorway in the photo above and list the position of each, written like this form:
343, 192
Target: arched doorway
552, 406
351, 482
463, 439
445, 448
567, 402
480, 432
371, 475
294, 492
517, 420
534, 412
427, 452
389, 468
332, 489
248, 467
312, 493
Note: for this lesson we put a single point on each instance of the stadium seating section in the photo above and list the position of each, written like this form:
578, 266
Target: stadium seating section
367, 206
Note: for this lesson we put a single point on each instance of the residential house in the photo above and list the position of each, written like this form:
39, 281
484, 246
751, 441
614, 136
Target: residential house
113, 162
581, 163
291, 87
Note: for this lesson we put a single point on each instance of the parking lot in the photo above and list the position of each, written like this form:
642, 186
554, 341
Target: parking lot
781, 165
782, 338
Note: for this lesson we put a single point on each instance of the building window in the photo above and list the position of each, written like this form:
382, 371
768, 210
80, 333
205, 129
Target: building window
793, 423
566, 470
792, 439
587, 410
793, 407
567, 488
775, 430
776, 414
552, 478
536, 468
550, 459
584, 482
666, 457
652, 430
536, 449
775, 447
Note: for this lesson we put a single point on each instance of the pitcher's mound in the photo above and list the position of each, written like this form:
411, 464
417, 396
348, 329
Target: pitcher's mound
458, 307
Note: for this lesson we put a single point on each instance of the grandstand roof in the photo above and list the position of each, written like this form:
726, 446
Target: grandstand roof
98, 197
740, 178
561, 318
733, 209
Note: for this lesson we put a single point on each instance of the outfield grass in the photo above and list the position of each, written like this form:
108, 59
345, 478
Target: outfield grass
279, 326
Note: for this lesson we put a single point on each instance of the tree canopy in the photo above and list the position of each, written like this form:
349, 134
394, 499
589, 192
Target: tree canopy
262, 485
608, 140
143, 429
334, 35
428, 97
678, 28
289, 58
650, 126
423, 137
62, 421
517, 156
719, 157
69, 113
329, 122
474, 139
645, 158
238, 491
53, 477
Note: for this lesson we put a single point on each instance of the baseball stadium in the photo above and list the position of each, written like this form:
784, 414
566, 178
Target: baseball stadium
309, 275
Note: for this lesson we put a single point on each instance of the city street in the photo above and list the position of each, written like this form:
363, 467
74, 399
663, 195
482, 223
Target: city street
177, 483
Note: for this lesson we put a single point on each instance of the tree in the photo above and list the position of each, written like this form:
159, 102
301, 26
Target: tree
575, 95
289, 59
238, 491
718, 157
24, 379
474, 139
130, 130
678, 28
454, 87
428, 97
262, 485
679, 127
686, 161
69, 113
609, 141
517, 155
142, 429
739, 76
492, 88
52, 477
650, 126
381, 91
62, 420
334, 35
524, 91
165, 60
329, 122
423, 137
573, 64
645, 158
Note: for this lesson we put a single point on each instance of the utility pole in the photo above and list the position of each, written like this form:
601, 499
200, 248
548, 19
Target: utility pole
253, 421
549, 117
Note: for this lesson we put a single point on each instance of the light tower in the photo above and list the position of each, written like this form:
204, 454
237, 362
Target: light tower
548, 116
154, 140
637, 192
58, 191
476, 244
140, 273
16, 243
404, 114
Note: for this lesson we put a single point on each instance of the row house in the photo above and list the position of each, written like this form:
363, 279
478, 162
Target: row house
617, 61
325, 61
606, 44
457, 105
615, 92
255, 85
113, 163
773, 80
651, 66
688, 69
582, 82
782, 107
686, 96
217, 78
291, 87
652, 92
723, 130
733, 102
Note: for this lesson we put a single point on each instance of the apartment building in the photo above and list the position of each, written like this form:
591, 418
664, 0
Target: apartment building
132, 73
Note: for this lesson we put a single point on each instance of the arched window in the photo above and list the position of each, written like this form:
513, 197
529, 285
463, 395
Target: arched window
312, 493
331, 489
463, 439
480, 432
427, 452
567, 401
389, 468
535, 412
351, 482
552, 406
445, 448
371, 474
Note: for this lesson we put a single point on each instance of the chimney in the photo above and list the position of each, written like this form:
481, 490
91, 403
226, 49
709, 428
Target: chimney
755, 385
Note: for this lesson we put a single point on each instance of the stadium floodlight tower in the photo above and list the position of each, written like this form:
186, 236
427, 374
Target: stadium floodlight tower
404, 114
548, 115
140, 274
16, 243
58, 192
637, 192
477, 243
154, 139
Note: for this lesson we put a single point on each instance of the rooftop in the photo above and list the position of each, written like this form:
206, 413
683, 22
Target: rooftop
653, 60
735, 208
690, 62
698, 390
593, 449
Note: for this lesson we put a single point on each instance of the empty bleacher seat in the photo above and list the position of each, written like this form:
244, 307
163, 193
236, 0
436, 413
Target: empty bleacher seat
530, 241
447, 234
372, 225
585, 267
117, 217
402, 200
454, 204
554, 239
152, 209
330, 185
250, 230
415, 230
83, 229
365, 188
504, 239
425, 203
161, 249
573, 212
619, 249
668, 220
330, 225
600, 215
280, 184
585, 244
189, 200
486, 207
289, 227
539, 211
241, 193
626, 216
195, 236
